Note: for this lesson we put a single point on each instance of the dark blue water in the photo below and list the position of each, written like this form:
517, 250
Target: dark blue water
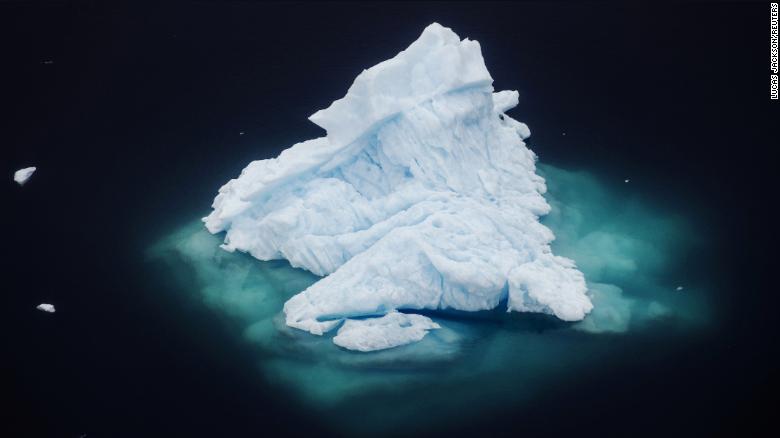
136, 123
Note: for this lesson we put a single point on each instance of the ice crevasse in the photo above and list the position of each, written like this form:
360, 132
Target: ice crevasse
422, 195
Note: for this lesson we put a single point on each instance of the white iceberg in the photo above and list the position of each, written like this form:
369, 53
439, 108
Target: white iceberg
22, 175
49, 308
391, 330
423, 195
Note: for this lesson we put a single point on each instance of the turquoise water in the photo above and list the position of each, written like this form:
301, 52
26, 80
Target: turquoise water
631, 253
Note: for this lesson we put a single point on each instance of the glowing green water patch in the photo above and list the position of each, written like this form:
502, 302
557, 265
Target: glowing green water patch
630, 257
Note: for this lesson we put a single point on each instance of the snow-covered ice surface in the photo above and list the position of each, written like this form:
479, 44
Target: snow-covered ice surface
22, 175
49, 308
423, 195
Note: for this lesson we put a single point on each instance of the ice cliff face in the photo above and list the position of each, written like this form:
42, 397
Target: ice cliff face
423, 195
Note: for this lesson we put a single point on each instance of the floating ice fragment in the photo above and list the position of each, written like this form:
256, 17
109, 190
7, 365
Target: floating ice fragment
47, 62
679, 288
627, 180
391, 330
423, 195
46, 307
22, 175
241, 133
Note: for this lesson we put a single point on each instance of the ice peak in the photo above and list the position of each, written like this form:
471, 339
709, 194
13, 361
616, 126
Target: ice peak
437, 62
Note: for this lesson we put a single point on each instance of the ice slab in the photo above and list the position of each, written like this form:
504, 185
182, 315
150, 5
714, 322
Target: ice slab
388, 331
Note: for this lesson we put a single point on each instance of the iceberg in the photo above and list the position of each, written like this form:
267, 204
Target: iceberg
22, 175
422, 196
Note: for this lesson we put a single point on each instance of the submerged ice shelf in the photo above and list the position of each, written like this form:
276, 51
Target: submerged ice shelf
628, 250
422, 195
390, 330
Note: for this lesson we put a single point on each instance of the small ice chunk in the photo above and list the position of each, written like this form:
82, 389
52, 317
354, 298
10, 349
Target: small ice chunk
47, 62
391, 330
679, 288
611, 310
563, 133
227, 247
45, 307
241, 133
22, 175
627, 180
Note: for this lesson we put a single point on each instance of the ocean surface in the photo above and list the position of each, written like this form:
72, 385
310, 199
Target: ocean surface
135, 117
